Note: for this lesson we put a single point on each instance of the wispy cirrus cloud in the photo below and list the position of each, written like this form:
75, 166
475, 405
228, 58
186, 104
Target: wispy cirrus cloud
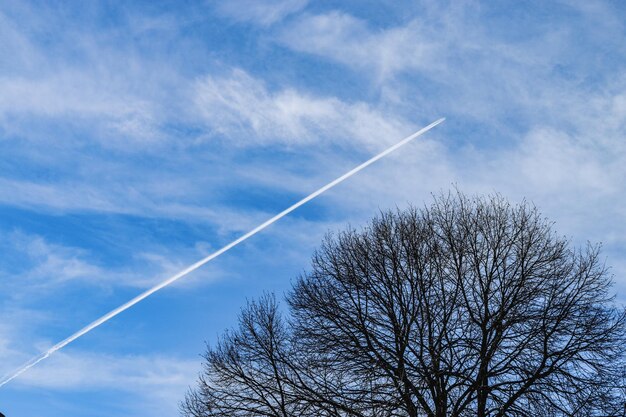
140, 374
84, 80
147, 383
261, 12
346, 39
36, 268
467, 65
239, 105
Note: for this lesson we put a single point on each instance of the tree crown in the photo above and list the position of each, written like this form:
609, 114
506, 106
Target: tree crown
469, 306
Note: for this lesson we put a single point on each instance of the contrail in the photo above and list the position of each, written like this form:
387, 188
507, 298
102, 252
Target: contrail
34, 361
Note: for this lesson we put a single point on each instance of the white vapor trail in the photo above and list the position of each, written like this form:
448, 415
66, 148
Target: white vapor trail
34, 361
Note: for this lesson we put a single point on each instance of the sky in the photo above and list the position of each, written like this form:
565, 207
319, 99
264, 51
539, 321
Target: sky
138, 137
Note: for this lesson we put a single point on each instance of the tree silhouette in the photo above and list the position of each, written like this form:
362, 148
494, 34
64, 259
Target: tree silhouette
468, 307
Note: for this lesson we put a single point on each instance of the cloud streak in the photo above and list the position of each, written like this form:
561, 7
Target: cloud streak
348, 40
239, 105
261, 12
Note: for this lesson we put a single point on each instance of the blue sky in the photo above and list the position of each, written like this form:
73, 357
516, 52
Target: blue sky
137, 137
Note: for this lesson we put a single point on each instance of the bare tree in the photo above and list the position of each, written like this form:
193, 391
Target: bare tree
469, 307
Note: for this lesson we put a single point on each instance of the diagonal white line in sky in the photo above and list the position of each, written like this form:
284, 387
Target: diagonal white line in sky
34, 361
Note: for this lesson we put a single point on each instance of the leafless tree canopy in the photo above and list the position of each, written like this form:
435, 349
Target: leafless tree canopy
469, 307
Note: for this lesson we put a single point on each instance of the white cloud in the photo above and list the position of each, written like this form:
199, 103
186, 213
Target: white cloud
155, 383
91, 83
90, 371
16, 322
24, 193
451, 59
152, 198
78, 98
262, 12
54, 263
38, 267
15, 49
238, 105
552, 162
348, 40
